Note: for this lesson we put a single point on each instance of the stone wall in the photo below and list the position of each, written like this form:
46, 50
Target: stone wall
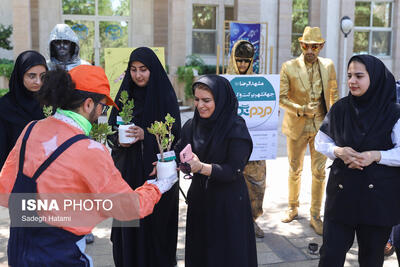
142, 30
161, 25
47, 22
3, 82
177, 34
22, 35
285, 32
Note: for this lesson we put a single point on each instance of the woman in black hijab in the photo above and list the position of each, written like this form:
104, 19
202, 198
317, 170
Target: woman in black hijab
19, 106
153, 243
361, 133
219, 228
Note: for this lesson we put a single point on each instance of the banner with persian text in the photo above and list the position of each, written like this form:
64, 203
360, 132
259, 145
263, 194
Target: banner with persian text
258, 97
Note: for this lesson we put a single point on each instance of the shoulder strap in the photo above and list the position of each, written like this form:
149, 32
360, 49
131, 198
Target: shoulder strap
64, 146
23, 146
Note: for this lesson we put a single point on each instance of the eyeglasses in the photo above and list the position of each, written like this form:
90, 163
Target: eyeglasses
245, 60
105, 107
314, 47
186, 169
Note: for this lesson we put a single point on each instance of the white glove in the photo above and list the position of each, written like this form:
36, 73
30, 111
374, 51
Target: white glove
164, 184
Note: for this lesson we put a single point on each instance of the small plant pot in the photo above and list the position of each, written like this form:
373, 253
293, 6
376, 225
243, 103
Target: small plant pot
166, 169
123, 139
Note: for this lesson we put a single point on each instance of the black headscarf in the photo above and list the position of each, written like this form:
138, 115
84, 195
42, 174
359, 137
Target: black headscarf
19, 105
209, 134
355, 120
152, 102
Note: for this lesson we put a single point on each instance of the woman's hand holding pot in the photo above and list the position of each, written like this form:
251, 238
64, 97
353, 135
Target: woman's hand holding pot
136, 132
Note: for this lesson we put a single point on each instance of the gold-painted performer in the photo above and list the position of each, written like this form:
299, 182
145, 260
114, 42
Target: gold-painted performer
241, 62
308, 90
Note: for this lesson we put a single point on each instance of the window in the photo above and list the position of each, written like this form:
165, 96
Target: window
229, 15
104, 20
300, 20
204, 34
373, 28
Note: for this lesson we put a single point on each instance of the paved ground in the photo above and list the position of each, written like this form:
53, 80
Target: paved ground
284, 245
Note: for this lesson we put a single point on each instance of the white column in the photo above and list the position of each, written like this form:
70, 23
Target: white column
142, 23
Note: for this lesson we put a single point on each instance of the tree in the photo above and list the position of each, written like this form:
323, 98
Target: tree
5, 33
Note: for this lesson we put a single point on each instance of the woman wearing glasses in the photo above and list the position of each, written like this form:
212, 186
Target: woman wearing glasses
19, 106
219, 228
153, 243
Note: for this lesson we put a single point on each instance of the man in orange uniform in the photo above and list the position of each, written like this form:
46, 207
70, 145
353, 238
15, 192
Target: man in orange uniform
55, 156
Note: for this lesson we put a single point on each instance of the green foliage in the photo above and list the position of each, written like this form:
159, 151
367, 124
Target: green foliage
5, 33
6, 61
47, 111
86, 49
210, 69
185, 74
204, 17
109, 42
362, 14
163, 134
194, 60
361, 40
127, 107
3, 92
299, 22
104, 8
100, 132
79, 7
6, 67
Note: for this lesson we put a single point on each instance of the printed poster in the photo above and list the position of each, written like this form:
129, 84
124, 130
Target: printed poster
250, 32
258, 97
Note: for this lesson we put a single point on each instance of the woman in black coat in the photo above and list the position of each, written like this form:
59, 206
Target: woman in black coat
219, 229
19, 106
153, 242
361, 133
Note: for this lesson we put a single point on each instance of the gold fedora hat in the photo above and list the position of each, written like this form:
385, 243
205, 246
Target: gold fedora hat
312, 35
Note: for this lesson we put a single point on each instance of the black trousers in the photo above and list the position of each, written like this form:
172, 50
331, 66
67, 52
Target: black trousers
396, 241
338, 239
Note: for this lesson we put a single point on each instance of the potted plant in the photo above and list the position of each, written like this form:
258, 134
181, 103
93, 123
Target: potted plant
166, 165
124, 118
100, 131
47, 111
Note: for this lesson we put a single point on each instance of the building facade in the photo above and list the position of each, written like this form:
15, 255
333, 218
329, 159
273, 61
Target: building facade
186, 27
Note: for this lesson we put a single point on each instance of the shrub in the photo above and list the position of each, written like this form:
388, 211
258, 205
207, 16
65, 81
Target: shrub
127, 107
186, 75
3, 91
6, 68
163, 134
5, 33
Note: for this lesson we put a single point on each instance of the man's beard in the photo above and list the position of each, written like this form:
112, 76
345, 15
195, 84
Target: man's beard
92, 116
310, 58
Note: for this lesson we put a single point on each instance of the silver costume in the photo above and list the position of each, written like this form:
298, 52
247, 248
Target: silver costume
64, 32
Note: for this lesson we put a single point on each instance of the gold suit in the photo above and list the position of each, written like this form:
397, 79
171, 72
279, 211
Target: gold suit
255, 171
300, 84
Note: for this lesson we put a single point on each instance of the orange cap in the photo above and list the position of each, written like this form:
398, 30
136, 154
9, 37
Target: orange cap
92, 79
